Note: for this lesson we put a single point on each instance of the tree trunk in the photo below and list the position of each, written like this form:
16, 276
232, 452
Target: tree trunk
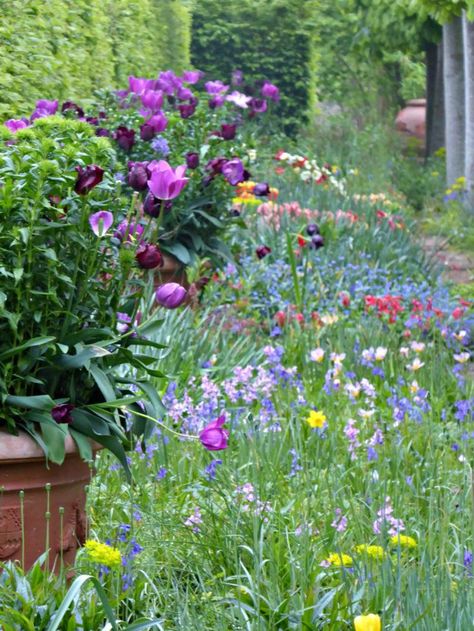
468, 42
453, 70
434, 98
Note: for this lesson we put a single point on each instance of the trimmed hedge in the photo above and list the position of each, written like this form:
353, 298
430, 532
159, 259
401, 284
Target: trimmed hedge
66, 49
266, 39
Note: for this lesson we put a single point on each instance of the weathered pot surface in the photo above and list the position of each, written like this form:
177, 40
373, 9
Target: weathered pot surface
51, 514
172, 271
411, 120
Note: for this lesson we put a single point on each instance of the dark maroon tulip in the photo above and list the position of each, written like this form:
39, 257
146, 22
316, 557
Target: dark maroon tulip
152, 205
138, 176
102, 131
125, 137
317, 241
261, 189
246, 176
171, 295
186, 110
69, 106
87, 178
215, 165
262, 251
149, 256
228, 131
216, 101
258, 106
147, 132
192, 160
62, 413
312, 228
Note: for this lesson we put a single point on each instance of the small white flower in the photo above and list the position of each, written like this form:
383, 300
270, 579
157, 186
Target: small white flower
368, 354
337, 358
415, 365
414, 387
366, 414
461, 336
462, 358
380, 353
317, 355
404, 351
418, 347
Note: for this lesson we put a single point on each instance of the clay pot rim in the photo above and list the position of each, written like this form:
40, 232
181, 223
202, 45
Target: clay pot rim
23, 447
417, 102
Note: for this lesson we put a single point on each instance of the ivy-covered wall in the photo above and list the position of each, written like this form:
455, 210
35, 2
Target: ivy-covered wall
66, 49
266, 39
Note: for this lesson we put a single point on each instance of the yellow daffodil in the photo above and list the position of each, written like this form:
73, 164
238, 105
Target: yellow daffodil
316, 419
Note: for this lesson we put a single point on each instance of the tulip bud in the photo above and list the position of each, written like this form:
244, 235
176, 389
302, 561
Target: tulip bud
262, 251
138, 177
147, 132
312, 228
228, 131
192, 160
171, 295
62, 413
125, 137
186, 110
317, 241
87, 178
149, 256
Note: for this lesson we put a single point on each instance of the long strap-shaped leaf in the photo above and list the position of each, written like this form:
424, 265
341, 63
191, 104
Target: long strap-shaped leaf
73, 592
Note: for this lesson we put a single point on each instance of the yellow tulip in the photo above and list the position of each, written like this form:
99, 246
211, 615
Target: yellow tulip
371, 622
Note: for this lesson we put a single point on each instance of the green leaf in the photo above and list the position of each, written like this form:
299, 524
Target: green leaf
82, 358
38, 402
180, 252
83, 444
54, 436
35, 341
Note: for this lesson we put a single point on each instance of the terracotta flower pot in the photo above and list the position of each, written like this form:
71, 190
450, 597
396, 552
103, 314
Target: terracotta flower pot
411, 121
59, 490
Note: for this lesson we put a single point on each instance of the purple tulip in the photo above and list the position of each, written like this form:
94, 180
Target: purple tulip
88, 178
270, 91
152, 100
168, 82
158, 121
213, 437
171, 295
192, 76
15, 124
216, 87
228, 131
62, 413
185, 94
239, 99
261, 189
149, 256
259, 106
125, 137
132, 230
138, 176
69, 106
262, 251
102, 131
186, 110
215, 165
165, 182
192, 160
233, 171
316, 242
312, 228
100, 222
44, 108
138, 85
147, 132
152, 205
217, 101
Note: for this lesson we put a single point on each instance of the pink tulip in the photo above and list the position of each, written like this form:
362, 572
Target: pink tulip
165, 182
213, 437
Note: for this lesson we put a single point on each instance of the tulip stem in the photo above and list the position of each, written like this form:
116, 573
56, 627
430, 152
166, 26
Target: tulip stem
155, 420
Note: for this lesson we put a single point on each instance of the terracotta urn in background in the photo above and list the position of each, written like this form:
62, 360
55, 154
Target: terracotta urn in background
172, 271
30, 488
411, 122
